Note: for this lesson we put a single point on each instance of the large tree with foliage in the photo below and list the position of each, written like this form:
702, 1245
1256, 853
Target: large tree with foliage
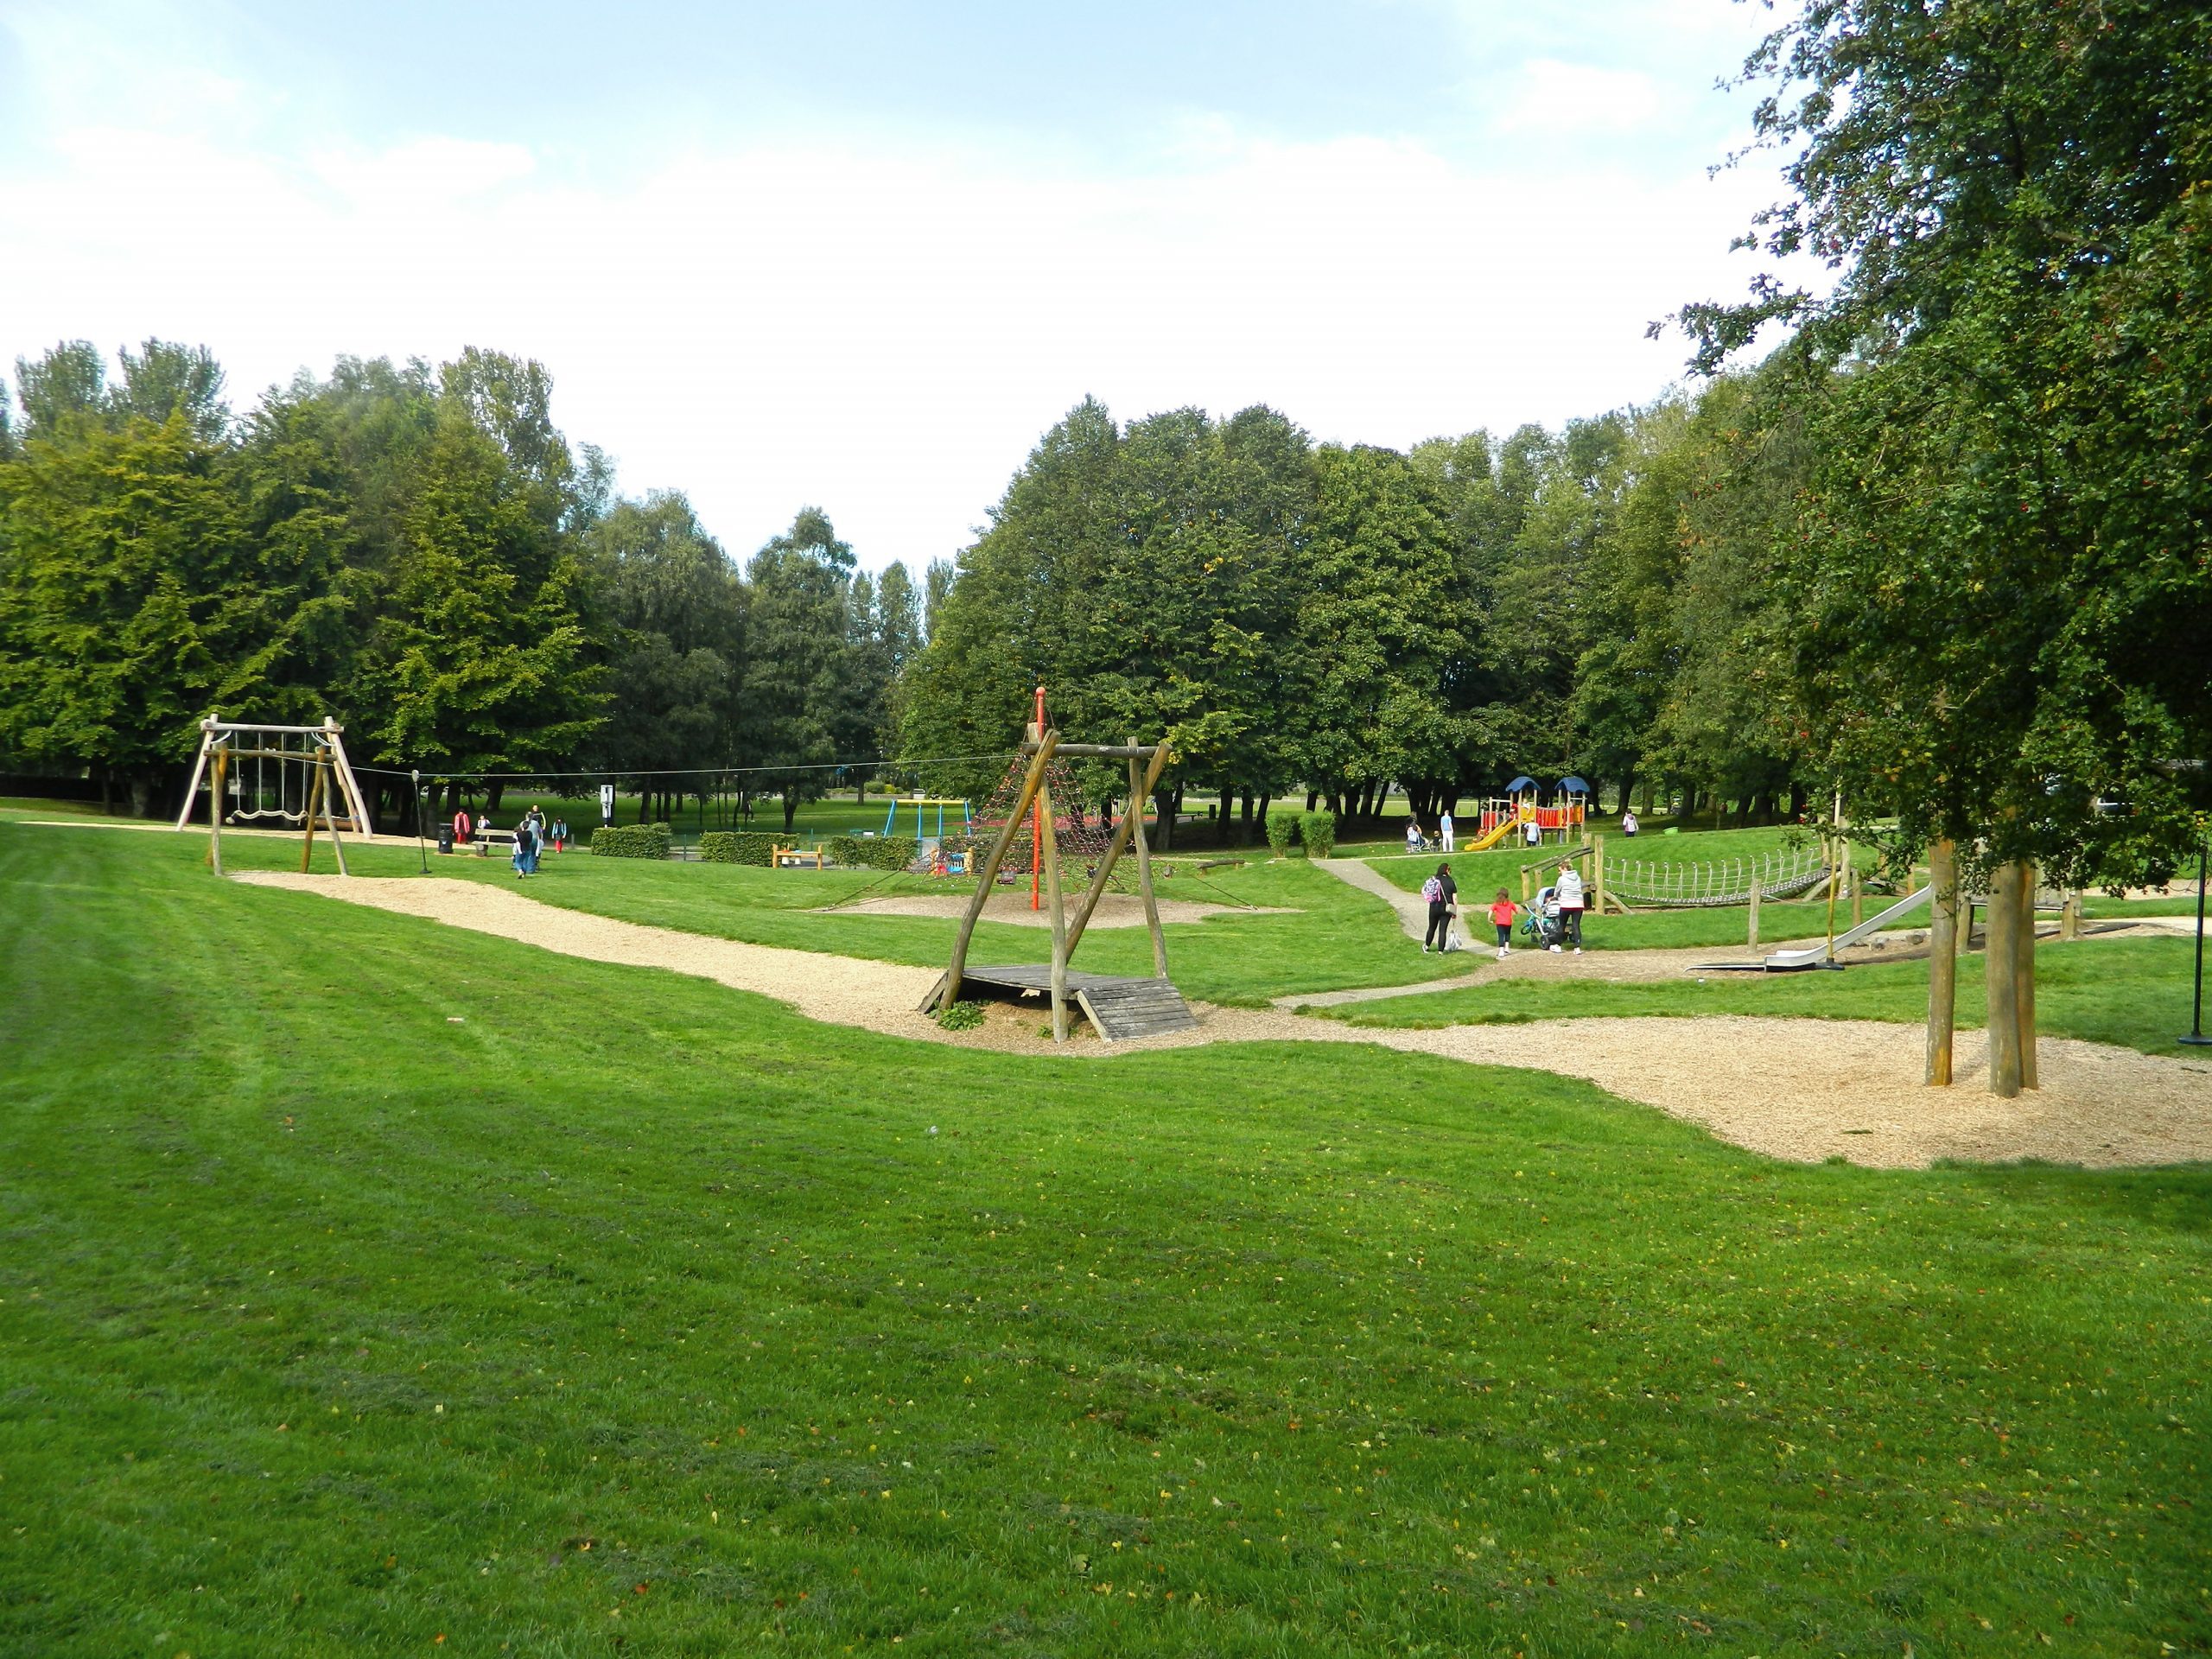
797, 687
674, 604
2003, 567
480, 661
133, 599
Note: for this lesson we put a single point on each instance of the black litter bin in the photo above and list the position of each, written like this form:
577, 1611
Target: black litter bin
445, 837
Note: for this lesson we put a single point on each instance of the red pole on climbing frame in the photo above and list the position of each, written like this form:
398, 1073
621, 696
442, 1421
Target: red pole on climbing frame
1036, 815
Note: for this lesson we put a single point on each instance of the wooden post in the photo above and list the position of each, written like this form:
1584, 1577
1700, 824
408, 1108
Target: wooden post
1858, 887
2069, 917
1597, 872
2001, 971
314, 799
1756, 885
2024, 990
1050, 859
215, 811
1138, 796
1942, 959
1030, 781
330, 789
1119, 845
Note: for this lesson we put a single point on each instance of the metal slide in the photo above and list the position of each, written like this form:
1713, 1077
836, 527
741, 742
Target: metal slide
1783, 962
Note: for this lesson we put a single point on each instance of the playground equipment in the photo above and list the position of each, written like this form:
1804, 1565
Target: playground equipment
919, 802
269, 772
1119, 1008
1717, 882
1080, 841
1522, 806
311, 770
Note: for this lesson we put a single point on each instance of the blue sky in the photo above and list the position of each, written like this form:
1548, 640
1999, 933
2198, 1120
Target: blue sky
862, 254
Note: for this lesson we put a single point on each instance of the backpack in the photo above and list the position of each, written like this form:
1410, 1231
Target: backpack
1433, 891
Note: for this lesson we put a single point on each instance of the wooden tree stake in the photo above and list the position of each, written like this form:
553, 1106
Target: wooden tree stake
1942, 959
2001, 971
1753, 942
215, 810
2024, 993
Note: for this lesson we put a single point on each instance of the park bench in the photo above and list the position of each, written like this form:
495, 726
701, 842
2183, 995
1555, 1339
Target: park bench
796, 858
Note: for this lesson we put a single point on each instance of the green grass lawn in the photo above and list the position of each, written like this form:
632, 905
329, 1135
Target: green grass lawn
2133, 993
367, 1283
1334, 936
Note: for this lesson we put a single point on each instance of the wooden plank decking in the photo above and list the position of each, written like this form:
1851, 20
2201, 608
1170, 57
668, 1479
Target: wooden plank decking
1121, 1009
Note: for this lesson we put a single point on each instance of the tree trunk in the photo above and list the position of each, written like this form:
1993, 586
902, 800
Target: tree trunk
1163, 806
790, 809
2024, 995
2001, 970
1313, 799
1943, 960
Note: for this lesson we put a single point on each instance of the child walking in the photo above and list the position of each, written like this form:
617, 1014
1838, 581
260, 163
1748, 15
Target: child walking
1503, 910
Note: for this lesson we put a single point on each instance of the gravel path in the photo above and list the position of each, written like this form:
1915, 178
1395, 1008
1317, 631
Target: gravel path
1801, 1089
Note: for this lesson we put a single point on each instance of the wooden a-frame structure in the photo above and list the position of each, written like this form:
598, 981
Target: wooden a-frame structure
1146, 762
331, 790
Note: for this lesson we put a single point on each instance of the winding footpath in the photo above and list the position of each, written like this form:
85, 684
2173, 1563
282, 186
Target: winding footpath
1802, 1089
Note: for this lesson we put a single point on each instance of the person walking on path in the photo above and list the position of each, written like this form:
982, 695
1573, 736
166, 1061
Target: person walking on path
1503, 910
1629, 825
1532, 833
1444, 827
526, 847
1442, 893
1569, 890
560, 834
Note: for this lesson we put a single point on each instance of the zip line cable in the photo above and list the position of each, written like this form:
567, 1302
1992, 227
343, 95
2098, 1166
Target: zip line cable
689, 771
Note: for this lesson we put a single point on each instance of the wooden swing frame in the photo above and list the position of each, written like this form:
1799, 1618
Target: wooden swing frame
325, 757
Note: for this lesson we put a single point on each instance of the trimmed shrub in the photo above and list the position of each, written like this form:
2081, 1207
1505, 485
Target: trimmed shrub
1282, 829
738, 847
631, 840
1319, 832
873, 852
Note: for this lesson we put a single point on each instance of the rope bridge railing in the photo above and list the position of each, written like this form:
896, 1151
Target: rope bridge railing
1782, 875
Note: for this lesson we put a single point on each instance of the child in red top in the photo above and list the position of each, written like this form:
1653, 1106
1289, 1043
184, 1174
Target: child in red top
1503, 910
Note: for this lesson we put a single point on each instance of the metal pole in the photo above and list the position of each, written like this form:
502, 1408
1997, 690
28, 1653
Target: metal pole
2196, 1039
416, 777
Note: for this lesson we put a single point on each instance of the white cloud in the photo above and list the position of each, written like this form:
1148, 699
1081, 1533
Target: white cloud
884, 330
1550, 96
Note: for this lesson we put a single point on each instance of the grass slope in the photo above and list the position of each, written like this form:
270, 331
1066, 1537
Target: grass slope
2133, 993
371, 1287
1334, 936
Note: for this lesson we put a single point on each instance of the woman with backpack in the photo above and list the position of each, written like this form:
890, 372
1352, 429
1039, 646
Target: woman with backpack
1441, 892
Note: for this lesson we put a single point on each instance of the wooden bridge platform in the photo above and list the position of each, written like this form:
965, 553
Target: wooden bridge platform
1119, 1009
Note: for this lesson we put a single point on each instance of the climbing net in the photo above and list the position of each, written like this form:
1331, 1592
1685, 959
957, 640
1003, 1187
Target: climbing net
1719, 882
1081, 840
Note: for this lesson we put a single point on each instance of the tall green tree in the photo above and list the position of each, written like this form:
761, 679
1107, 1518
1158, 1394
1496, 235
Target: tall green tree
480, 659
134, 599
2001, 565
677, 604
796, 686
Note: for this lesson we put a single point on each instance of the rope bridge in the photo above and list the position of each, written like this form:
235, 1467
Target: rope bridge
1721, 882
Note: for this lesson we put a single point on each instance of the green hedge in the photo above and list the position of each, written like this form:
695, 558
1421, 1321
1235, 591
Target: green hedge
1319, 831
873, 852
738, 847
631, 840
1282, 829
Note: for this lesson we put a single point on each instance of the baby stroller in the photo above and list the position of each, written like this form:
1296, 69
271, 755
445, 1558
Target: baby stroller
1542, 927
